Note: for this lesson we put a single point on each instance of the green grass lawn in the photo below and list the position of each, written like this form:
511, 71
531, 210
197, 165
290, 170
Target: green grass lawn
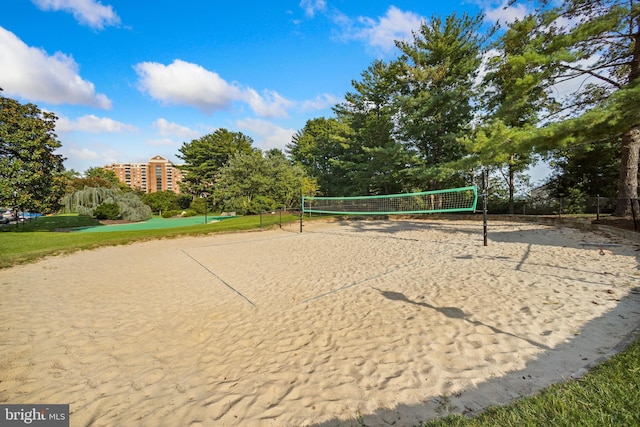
53, 235
609, 395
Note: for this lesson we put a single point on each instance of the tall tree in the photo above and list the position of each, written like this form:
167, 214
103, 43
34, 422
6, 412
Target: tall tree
375, 160
289, 179
255, 182
318, 147
204, 157
596, 46
100, 173
31, 174
513, 96
439, 69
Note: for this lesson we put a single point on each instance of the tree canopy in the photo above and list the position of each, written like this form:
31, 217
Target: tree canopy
255, 182
31, 173
560, 83
93, 177
318, 147
438, 71
204, 157
596, 44
90, 199
373, 158
402, 121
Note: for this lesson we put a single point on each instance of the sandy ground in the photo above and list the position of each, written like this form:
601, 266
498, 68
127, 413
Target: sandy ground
386, 322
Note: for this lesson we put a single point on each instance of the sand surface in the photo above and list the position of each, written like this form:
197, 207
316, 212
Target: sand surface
386, 322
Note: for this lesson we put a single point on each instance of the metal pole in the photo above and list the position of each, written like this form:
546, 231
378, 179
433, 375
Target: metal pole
484, 205
597, 207
301, 208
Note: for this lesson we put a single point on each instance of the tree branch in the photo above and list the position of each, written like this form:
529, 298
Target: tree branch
593, 74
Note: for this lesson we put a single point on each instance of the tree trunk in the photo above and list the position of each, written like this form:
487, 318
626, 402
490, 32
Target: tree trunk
628, 180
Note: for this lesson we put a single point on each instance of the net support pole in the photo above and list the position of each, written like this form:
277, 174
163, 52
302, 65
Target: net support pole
484, 205
301, 208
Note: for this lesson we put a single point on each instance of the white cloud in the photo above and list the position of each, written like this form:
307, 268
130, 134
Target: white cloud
81, 156
269, 105
87, 12
185, 83
92, 124
84, 154
504, 13
266, 135
382, 32
166, 128
34, 75
321, 102
310, 7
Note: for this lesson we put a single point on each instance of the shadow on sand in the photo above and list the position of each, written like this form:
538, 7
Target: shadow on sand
455, 313
562, 362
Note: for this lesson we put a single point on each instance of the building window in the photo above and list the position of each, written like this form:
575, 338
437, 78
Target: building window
158, 178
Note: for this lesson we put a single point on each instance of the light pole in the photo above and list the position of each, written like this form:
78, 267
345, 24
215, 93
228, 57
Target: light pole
205, 196
15, 207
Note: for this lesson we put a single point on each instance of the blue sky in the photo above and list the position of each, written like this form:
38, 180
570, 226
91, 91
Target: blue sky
133, 79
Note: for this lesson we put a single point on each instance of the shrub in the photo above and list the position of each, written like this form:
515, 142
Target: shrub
170, 214
262, 204
184, 201
132, 209
86, 201
198, 205
107, 211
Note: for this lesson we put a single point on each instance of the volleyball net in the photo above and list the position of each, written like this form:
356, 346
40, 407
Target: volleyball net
462, 199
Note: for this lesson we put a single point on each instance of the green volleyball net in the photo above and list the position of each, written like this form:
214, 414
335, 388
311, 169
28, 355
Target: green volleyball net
462, 199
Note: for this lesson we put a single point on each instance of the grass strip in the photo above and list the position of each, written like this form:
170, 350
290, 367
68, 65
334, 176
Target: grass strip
53, 235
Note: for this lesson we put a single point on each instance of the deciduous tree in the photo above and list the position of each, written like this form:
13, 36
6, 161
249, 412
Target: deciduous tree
253, 182
31, 173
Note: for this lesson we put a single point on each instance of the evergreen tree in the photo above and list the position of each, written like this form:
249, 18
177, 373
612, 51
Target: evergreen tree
318, 148
204, 157
595, 43
377, 163
590, 169
438, 72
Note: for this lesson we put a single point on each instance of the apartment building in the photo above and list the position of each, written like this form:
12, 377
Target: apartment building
158, 174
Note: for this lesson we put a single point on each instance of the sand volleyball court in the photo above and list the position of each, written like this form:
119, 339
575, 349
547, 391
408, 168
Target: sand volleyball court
394, 322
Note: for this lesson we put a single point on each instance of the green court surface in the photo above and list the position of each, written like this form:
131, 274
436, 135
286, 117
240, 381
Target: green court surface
153, 224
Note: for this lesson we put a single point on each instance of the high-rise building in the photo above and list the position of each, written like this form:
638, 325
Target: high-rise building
158, 174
